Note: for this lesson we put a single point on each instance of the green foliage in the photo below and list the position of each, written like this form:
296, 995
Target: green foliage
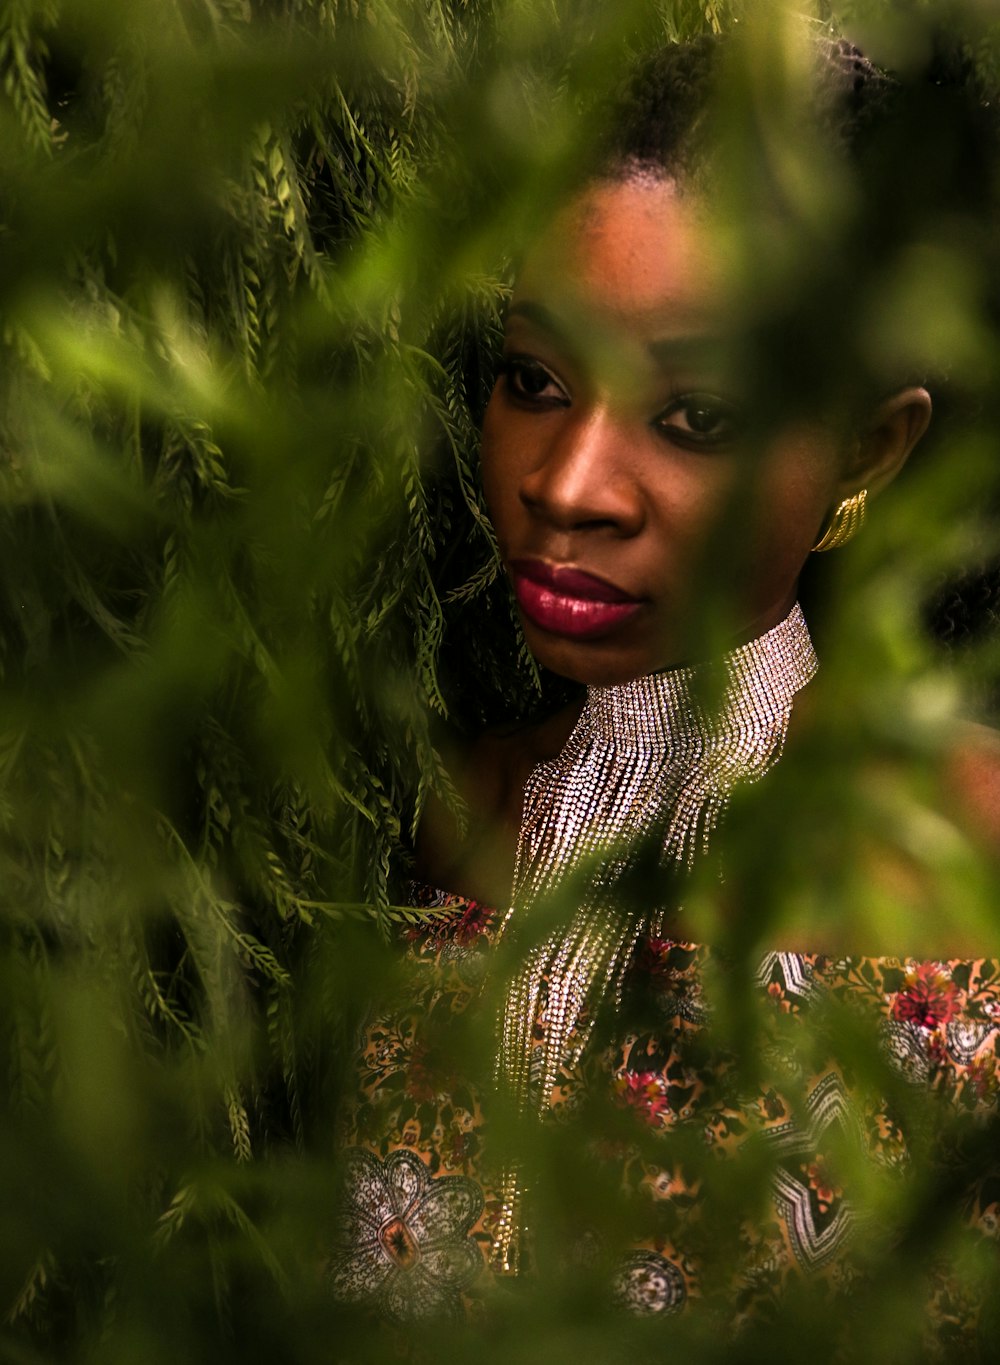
253, 261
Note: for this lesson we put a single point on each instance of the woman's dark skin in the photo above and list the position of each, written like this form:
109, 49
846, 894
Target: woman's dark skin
613, 445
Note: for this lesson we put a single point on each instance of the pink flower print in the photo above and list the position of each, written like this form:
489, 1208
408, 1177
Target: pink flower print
652, 956
643, 1091
929, 997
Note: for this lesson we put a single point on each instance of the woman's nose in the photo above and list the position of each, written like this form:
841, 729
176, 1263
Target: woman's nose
585, 478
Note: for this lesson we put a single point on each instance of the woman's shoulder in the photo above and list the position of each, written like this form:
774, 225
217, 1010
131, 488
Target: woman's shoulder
475, 857
972, 777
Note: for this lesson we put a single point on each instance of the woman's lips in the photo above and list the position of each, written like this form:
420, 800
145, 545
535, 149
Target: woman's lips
569, 602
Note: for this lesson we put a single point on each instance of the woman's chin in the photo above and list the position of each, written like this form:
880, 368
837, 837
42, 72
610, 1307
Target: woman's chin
601, 662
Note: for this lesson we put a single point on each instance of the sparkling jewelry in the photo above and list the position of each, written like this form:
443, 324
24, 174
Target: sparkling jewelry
650, 764
845, 523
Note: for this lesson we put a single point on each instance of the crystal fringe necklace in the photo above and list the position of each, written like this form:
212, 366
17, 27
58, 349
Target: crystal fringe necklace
651, 760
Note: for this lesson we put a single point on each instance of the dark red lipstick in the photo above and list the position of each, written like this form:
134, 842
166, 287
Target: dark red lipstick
567, 601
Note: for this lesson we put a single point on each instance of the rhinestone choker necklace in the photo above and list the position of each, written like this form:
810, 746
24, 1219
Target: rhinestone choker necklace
650, 764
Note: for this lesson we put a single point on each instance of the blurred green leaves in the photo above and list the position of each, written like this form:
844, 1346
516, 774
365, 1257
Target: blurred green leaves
252, 261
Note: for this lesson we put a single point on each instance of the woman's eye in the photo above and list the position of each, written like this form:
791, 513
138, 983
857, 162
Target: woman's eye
529, 380
697, 420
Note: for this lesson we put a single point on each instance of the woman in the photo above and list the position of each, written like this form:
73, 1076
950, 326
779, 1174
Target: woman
640, 487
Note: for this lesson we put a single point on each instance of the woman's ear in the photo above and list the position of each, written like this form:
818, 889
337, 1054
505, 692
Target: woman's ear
883, 444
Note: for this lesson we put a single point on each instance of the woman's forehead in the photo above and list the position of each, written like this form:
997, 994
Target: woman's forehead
638, 254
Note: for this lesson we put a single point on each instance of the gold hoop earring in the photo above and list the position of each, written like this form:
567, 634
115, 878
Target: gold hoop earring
845, 523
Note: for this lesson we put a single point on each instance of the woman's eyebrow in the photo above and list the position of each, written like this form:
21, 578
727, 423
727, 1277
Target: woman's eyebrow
696, 348
557, 329
541, 316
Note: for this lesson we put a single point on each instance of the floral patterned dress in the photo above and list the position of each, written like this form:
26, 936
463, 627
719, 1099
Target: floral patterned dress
419, 1203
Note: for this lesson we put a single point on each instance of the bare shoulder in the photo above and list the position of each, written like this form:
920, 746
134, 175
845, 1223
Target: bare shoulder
489, 773
972, 778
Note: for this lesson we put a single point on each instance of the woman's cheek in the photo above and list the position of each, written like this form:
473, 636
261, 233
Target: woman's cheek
794, 493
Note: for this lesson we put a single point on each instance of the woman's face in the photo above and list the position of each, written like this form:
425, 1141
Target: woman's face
626, 491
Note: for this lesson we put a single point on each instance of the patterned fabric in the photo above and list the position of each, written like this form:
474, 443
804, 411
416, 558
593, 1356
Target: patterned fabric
405, 1242
419, 1201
